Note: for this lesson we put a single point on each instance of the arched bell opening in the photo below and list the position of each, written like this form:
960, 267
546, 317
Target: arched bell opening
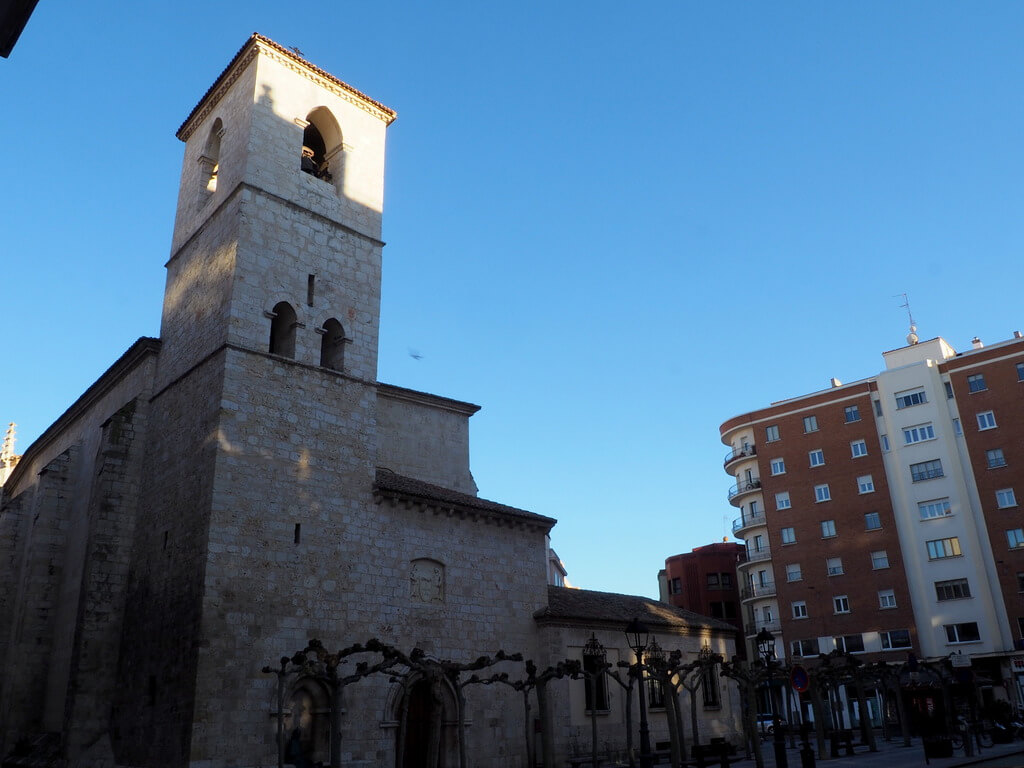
332, 345
283, 322
322, 154
209, 162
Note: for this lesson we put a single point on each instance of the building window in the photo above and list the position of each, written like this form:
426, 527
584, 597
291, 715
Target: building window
963, 633
759, 543
788, 535
778, 467
1020, 371
879, 560
872, 521
726, 609
852, 413
713, 581
918, 434
942, 548
884, 439
976, 383
865, 484
1006, 498
931, 509
954, 589
675, 586
782, 500
841, 604
1015, 538
858, 448
817, 457
949, 390
895, 639
771, 434
726, 579
828, 529
886, 599
282, 330
986, 420
878, 408
1020, 581
799, 609
596, 694
793, 572
850, 643
910, 398
926, 470
834, 565
957, 429
710, 687
821, 493
804, 647
655, 694
810, 423
332, 345
995, 458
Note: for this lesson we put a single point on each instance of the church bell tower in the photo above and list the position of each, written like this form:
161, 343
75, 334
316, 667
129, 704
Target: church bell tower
276, 244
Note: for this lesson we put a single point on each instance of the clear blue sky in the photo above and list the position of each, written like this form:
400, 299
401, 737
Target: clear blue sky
613, 226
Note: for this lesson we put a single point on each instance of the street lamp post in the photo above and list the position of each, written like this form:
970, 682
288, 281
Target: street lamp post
637, 636
766, 647
594, 651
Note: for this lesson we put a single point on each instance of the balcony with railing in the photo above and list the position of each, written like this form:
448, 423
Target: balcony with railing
752, 591
757, 555
736, 454
742, 488
756, 626
747, 521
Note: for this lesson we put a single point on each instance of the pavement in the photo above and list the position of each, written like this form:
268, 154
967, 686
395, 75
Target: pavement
893, 754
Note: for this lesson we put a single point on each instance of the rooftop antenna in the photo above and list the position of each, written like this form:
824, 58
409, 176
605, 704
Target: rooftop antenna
912, 336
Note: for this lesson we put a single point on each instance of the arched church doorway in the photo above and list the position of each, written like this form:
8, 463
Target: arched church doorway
307, 725
426, 736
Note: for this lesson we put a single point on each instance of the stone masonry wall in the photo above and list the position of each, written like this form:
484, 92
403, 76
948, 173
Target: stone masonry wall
100, 615
14, 527
429, 443
28, 659
298, 450
153, 700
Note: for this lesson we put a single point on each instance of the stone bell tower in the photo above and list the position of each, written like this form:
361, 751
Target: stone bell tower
257, 512
280, 204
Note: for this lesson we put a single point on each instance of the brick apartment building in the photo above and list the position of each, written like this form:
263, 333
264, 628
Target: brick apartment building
704, 581
881, 517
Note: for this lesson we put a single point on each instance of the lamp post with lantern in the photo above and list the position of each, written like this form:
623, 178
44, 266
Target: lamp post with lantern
593, 666
637, 636
766, 647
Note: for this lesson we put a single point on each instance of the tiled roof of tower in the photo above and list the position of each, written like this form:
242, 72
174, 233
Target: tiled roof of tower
256, 37
392, 485
607, 607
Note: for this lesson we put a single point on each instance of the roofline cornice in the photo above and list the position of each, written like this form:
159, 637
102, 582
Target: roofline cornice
425, 398
259, 45
463, 511
125, 364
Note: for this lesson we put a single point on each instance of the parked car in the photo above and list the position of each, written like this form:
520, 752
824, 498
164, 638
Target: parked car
766, 724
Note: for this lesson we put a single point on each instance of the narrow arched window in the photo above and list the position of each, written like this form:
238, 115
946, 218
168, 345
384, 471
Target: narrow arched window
209, 161
282, 330
322, 154
332, 345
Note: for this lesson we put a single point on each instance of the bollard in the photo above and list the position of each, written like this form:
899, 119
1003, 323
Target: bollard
806, 752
